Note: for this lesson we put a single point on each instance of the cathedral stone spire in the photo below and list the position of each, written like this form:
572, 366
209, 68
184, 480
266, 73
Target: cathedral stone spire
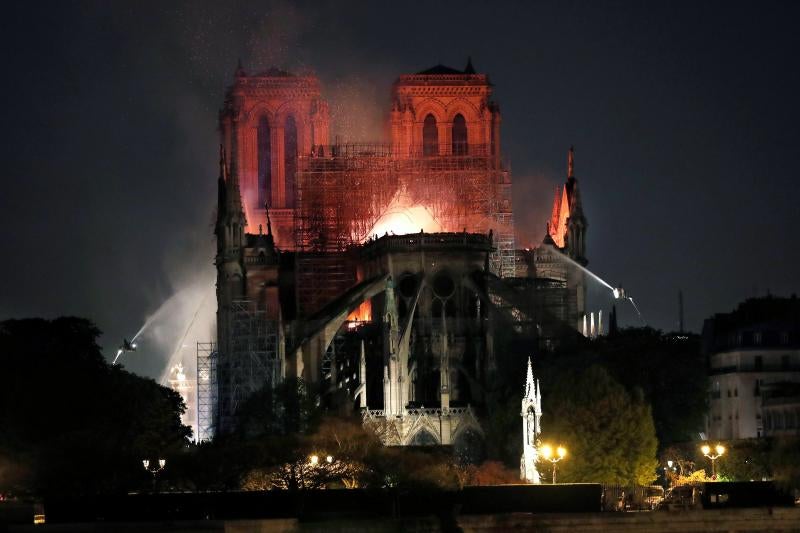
394, 373
444, 367
269, 223
221, 187
531, 429
222, 175
362, 377
234, 209
530, 386
231, 220
575, 238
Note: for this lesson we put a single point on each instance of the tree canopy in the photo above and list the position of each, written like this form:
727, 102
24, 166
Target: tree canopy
669, 369
609, 433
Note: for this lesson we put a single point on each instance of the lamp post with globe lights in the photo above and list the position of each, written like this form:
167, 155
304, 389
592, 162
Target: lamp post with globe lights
669, 472
155, 469
719, 451
553, 456
314, 459
321, 470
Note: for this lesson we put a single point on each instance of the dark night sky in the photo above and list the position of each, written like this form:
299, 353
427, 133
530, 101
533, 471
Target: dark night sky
684, 116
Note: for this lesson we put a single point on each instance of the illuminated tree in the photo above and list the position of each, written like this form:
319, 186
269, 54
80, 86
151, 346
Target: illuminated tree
609, 433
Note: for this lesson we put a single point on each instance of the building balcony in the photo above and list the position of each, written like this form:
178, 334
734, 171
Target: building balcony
735, 369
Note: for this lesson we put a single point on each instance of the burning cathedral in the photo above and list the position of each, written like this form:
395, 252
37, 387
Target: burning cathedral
384, 274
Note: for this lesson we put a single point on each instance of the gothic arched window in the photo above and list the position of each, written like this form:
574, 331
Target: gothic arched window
424, 438
290, 161
430, 136
264, 162
460, 146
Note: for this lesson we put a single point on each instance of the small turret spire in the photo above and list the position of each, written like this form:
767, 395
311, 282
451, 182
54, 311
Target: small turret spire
240, 73
269, 222
222, 192
469, 69
222, 165
233, 196
529, 377
362, 376
571, 162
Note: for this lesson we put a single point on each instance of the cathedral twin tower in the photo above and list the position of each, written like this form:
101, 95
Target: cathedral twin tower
271, 121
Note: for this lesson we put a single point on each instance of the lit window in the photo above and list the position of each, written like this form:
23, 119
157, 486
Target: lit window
290, 159
264, 162
430, 136
459, 135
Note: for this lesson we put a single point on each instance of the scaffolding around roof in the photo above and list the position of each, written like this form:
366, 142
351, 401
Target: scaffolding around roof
343, 190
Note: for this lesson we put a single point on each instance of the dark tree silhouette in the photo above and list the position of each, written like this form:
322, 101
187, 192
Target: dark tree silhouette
74, 423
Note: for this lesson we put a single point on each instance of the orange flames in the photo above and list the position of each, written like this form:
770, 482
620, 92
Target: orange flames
363, 313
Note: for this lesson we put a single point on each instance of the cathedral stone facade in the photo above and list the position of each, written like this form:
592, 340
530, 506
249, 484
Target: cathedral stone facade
407, 327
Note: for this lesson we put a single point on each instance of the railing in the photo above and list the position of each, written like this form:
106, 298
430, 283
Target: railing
421, 411
258, 259
438, 79
631, 497
388, 150
750, 367
425, 241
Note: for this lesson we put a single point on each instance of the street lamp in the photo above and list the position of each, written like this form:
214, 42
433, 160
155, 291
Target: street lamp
720, 451
670, 471
547, 453
314, 459
155, 469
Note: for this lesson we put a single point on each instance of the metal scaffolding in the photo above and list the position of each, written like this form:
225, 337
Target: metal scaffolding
206, 390
342, 191
250, 361
321, 278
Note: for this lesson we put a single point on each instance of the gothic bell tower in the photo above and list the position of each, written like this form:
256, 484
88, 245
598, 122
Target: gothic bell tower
268, 121
231, 281
443, 111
